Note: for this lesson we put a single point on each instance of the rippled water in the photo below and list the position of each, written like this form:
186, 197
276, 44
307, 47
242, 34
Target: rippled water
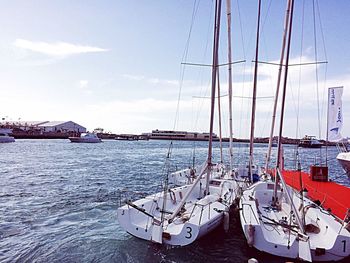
58, 201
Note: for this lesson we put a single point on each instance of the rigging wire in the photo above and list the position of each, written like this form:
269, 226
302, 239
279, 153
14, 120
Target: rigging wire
325, 72
316, 72
205, 87
243, 70
166, 169
323, 40
184, 58
297, 131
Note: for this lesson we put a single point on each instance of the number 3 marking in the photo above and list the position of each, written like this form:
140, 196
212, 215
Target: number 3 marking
189, 232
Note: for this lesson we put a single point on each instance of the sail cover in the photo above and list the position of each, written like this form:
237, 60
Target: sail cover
335, 114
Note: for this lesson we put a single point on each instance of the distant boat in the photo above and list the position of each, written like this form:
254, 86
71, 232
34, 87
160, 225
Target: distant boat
4, 137
310, 142
86, 138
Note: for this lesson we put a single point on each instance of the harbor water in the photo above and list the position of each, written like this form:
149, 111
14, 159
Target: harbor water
58, 200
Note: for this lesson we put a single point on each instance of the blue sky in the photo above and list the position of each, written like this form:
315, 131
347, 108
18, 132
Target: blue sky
117, 64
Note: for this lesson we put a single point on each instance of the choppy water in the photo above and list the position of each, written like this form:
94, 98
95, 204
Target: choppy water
58, 201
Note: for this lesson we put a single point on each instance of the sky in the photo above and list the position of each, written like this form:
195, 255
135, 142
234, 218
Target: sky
118, 64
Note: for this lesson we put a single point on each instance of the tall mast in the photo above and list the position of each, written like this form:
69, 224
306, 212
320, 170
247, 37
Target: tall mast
279, 149
219, 109
252, 126
228, 6
286, 28
213, 83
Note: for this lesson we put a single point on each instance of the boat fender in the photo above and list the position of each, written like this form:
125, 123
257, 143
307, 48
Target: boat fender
250, 238
226, 220
180, 195
172, 196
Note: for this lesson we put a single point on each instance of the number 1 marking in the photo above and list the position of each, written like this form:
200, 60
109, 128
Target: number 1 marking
344, 246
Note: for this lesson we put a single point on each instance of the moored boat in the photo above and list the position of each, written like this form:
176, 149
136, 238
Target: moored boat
283, 222
310, 142
4, 138
344, 160
280, 229
181, 215
86, 138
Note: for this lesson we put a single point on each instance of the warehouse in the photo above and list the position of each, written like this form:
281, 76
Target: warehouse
61, 126
44, 126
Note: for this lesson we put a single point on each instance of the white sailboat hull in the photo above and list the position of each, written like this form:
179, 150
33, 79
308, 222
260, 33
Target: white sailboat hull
271, 227
198, 219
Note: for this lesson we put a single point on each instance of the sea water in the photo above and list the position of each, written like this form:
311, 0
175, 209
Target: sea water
58, 200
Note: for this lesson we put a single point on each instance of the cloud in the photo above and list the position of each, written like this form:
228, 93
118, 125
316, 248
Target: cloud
133, 77
83, 84
154, 81
58, 49
84, 87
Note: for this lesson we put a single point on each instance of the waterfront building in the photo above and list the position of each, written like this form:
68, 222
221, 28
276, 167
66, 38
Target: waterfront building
44, 126
178, 135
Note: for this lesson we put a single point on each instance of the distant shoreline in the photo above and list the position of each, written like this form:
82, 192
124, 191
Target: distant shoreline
134, 137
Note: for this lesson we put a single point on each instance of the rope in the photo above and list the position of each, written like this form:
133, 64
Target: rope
184, 58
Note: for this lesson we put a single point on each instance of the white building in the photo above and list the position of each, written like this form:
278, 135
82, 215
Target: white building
45, 126
62, 126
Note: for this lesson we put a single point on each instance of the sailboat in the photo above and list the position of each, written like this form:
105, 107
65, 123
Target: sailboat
280, 221
180, 215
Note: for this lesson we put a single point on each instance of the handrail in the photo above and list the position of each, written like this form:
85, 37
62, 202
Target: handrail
250, 206
183, 201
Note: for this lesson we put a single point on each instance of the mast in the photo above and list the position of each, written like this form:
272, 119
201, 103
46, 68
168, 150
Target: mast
219, 109
327, 133
228, 4
252, 125
213, 83
279, 149
286, 28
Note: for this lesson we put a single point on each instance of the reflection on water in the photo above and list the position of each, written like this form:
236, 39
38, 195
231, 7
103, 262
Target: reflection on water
58, 201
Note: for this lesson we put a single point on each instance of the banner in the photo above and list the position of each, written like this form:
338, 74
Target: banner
335, 114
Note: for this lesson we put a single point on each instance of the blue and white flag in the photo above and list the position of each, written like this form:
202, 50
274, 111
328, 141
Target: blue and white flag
335, 114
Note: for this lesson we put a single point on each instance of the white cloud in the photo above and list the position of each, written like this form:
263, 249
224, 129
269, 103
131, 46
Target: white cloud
58, 49
133, 77
83, 84
154, 81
